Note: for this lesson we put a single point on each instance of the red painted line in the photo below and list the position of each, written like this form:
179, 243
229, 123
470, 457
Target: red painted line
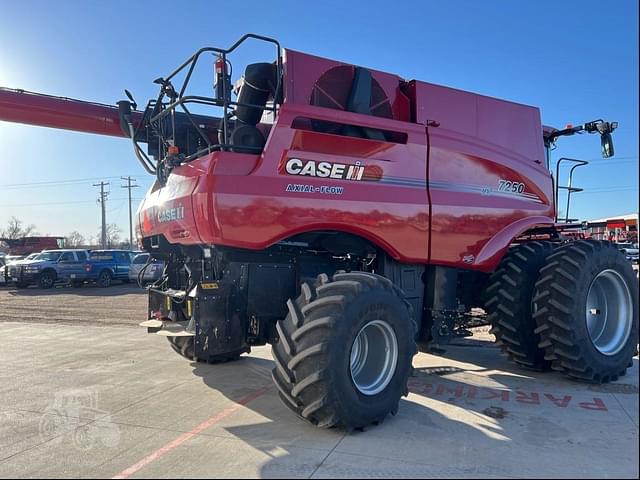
186, 436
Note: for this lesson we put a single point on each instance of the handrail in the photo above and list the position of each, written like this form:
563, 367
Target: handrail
179, 100
569, 188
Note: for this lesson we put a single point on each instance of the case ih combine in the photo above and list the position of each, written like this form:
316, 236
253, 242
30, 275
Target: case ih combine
345, 216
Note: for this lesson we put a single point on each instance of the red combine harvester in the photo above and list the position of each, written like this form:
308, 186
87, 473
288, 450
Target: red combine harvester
345, 216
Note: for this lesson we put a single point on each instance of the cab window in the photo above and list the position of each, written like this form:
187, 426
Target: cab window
123, 257
67, 257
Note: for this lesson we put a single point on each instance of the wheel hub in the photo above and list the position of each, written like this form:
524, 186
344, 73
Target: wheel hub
609, 312
374, 356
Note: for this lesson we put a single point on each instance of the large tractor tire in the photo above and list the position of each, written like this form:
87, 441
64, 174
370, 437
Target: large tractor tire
185, 346
344, 351
508, 303
586, 308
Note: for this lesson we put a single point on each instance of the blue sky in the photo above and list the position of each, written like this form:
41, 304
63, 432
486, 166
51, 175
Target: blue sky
576, 60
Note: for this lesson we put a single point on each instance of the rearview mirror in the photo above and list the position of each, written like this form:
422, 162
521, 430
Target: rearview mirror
606, 143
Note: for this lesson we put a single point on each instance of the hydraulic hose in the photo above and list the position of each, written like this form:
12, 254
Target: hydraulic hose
140, 155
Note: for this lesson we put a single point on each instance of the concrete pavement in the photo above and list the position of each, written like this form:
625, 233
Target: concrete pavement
92, 401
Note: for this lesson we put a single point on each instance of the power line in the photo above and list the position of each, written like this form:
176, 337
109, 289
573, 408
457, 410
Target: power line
614, 159
609, 187
609, 191
52, 183
72, 202
103, 200
129, 186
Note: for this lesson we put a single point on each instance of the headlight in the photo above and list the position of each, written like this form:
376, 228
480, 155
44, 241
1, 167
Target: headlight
32, 269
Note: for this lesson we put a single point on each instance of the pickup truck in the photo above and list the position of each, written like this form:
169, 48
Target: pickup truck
49, 267
630, 251
104, 266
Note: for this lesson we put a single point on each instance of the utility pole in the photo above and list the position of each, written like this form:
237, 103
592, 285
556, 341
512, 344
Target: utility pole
103, 201
129, 186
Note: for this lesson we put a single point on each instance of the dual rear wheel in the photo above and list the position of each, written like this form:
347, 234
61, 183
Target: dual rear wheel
573, 308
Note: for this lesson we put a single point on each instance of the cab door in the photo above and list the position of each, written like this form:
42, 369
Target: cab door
122, 265
69, 266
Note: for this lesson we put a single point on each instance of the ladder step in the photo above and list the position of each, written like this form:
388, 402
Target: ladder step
175, 333
153, 323
170, 292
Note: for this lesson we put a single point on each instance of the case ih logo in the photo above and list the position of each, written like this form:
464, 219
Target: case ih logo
311, 168
170, 214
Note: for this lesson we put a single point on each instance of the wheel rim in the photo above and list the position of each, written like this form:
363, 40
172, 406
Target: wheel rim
374, 356
47, 280
609, 312
104, 279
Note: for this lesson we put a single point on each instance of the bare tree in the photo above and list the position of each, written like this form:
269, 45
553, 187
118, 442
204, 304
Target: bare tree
17, 229
74, 239
113, 235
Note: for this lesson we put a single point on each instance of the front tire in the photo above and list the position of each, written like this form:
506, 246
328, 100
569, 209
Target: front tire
586, 308
47, 279
185, 347
344, 351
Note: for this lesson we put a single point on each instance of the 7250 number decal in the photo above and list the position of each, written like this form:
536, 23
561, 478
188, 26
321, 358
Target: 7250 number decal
509, 186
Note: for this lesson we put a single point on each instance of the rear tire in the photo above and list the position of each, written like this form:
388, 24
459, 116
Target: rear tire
184, 346
586, 308
508, 303
104, 279
322, 371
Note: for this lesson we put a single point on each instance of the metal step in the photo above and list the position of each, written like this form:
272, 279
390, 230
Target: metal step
168, 328
170, 292
175, 333
153, 323
175, 329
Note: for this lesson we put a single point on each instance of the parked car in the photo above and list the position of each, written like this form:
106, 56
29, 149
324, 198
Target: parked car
11, 264
49, 267
152, 272
104, 266
630, 251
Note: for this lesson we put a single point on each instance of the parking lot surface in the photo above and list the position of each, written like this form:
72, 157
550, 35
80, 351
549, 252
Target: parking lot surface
120, 304
84, 394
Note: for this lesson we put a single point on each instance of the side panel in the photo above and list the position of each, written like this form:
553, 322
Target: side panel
168, 210
252, 202
387, 205
487, 178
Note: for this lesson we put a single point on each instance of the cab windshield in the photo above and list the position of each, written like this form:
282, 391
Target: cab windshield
49, 256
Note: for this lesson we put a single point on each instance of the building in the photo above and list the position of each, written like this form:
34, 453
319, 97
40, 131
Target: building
623, 228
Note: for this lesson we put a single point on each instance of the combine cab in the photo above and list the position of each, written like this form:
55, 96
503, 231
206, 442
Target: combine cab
347, 216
